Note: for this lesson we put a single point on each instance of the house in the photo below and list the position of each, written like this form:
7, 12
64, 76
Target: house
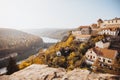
102, 44
82, 34
85, 30
99, 22
94, 26
104, 56
107, 56
76, 32
109, 23
91, 56
109, 31
82, 38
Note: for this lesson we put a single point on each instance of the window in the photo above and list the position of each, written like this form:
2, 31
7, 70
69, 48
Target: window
90, 51
93, 56
110, 67
99, 58
90, 57
116, 21
103, 60
109, 61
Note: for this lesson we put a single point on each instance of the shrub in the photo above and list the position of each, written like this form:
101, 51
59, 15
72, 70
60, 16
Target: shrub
12, 67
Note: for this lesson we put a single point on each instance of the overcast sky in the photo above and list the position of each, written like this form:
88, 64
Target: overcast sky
55, 13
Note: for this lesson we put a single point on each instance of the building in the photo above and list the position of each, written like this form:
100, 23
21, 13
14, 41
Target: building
76, 32
99, 22
94, 26
91, 56
104, 56
82, 34
102, 44
82, 38
109, 23
85, 30
82, 30
109, 31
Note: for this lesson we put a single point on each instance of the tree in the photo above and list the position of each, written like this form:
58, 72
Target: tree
12, 67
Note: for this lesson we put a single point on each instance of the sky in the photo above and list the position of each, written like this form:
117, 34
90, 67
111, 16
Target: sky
30, 14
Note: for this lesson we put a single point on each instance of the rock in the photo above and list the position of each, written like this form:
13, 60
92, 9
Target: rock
4, 77
43, 72
101, 76
79, 74
38, 72
76, 74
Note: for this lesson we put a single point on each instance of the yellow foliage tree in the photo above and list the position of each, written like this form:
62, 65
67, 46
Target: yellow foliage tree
24, 64
71, 56
70, 40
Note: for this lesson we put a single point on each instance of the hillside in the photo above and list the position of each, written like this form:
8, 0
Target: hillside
18, 43
68, 54
52, 33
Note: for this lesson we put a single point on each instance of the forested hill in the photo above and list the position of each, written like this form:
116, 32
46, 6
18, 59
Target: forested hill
17, 41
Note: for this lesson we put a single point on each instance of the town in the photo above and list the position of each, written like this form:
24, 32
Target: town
106, 51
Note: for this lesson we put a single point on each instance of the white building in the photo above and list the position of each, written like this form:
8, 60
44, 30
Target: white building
101, 44
104, 56
108, 31
109, 23
91, 56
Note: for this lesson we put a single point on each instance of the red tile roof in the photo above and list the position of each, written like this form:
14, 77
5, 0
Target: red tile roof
107, 53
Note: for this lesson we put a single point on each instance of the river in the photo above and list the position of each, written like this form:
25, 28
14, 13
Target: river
49, 40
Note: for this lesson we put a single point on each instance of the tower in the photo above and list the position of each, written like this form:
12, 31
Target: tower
99, 22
